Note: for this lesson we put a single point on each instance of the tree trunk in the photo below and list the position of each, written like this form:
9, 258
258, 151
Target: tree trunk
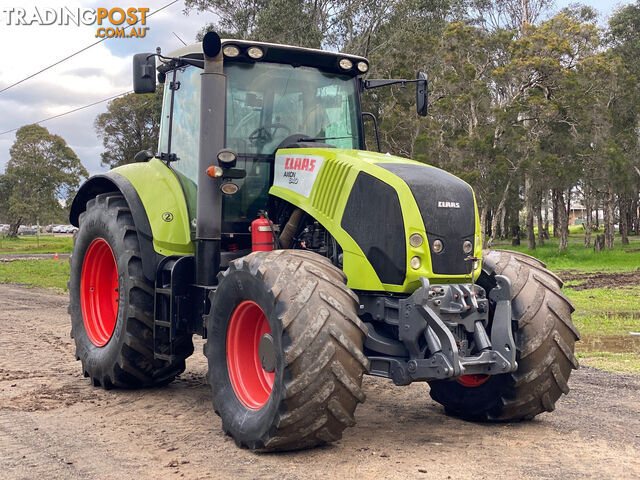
483, 224
588, 207
598, 244
546, 215
609, 230
512, 214
529, 205
563, 223
633, 225
623, 205
13, 228
540, 224
554, 200
597, 214
498, 214
515, 235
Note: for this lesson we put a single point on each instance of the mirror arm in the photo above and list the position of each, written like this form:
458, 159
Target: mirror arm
234, 173
376, 83
375, 126
175, 62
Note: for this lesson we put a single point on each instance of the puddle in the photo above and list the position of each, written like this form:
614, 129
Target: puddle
609, 343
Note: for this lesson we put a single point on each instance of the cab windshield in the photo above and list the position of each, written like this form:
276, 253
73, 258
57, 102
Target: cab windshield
267, 102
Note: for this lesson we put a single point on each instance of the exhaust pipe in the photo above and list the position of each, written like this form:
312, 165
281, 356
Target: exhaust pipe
212, 137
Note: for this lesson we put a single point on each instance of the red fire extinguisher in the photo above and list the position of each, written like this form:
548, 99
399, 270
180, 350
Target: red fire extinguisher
261, 235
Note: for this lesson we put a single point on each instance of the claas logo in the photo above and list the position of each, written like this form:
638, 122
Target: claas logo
300, 163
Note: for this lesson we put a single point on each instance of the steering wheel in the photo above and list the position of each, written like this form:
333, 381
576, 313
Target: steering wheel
264, 135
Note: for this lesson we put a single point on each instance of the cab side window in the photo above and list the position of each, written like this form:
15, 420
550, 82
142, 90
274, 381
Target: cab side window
185, 134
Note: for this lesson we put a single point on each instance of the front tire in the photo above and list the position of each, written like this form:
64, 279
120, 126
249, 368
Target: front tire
112, 302
545, 337
302, 388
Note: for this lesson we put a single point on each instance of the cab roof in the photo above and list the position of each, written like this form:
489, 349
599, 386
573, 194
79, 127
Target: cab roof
288, 54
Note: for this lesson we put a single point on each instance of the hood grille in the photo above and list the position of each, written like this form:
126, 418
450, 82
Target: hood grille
447, 208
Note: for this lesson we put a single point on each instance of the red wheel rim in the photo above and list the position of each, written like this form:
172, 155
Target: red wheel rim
99, 292
474, 380
251, 383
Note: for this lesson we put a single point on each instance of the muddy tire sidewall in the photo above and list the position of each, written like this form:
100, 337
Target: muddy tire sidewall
318, 341
246, 424
544, 336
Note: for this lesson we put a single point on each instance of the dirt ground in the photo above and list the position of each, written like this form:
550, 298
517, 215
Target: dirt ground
54, 425
600, 279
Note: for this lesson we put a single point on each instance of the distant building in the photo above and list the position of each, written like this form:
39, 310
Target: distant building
577, 214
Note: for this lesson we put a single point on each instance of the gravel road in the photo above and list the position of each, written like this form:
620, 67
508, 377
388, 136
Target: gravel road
54, 424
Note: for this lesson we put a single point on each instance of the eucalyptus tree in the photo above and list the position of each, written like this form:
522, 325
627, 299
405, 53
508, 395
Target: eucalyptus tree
43, 172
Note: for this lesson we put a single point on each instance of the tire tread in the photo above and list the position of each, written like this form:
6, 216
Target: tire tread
545, 339
323, 354
134, 365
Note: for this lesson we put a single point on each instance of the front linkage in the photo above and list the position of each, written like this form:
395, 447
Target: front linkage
442, 332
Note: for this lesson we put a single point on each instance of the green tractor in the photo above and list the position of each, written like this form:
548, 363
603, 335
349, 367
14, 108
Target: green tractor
264, 225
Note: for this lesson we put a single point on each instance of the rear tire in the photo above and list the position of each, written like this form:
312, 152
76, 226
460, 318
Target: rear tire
545, 339
302, 301
113, 331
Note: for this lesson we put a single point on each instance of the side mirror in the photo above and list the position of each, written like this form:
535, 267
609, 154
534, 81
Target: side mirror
144, 73
422, 94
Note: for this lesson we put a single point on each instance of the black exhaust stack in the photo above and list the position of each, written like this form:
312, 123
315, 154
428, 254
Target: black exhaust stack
212, 137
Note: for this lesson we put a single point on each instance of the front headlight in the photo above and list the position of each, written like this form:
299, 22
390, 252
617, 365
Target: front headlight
362, 67
231, 51
255, 52
345, 64
415, 240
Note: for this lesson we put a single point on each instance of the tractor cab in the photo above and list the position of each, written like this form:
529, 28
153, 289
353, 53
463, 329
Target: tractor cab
276, 96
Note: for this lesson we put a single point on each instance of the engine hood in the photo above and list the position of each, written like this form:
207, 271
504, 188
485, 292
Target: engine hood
372, 203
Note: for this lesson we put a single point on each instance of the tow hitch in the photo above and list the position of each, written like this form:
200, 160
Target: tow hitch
442, 333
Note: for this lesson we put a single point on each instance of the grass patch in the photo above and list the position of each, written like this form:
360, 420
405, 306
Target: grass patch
605, 324
606, 311
607, 300
36, 273
30, 244
612, 362
576, 257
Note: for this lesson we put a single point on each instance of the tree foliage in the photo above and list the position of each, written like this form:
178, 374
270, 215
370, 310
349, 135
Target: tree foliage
41, 176
130, 124
535, 111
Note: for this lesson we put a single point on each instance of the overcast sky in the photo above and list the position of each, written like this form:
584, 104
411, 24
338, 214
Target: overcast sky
100, 72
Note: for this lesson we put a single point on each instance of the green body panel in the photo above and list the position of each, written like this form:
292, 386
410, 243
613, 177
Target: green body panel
327, 201
165, 205
161, 192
